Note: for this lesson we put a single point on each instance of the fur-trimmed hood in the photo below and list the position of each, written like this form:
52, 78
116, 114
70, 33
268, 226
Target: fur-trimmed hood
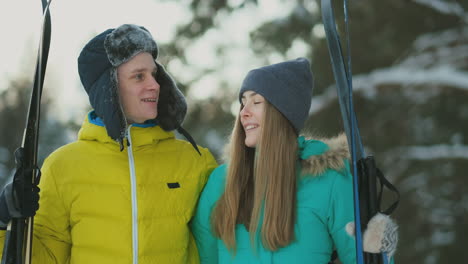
316, 154
319, 155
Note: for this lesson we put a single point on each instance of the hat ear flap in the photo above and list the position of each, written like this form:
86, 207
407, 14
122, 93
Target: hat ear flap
172, 107
106, 103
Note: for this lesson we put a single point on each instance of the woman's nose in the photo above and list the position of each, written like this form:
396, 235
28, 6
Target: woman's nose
245, 111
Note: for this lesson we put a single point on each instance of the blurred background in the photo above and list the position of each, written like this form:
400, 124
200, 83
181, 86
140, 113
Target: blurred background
410, 72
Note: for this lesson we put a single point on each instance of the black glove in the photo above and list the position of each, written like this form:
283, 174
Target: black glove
19, 199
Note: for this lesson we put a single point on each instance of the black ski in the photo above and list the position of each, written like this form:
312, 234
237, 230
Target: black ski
18, 240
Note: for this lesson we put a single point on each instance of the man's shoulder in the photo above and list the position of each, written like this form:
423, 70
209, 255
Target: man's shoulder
181, 144
184, 146
66, 152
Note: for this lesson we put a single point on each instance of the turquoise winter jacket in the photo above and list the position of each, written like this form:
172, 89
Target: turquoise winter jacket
324, 207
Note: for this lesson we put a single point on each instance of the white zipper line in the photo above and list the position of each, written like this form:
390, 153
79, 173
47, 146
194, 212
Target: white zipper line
131, 163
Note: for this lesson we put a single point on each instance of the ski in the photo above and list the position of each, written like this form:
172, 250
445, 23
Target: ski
367, 200
19, 230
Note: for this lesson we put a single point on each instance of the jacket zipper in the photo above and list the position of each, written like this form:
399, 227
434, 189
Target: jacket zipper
133, 186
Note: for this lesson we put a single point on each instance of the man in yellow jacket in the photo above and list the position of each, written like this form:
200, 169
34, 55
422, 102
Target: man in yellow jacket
125, 191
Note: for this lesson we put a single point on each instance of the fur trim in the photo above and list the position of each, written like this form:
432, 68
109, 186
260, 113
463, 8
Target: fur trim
381, 235
172, 107
127, 41
115, 121
334, 158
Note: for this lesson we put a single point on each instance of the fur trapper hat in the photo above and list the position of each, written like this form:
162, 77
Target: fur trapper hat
97, 67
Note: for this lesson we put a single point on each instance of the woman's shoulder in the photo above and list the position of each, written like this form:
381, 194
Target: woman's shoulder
326, 176
219, 174
217, 180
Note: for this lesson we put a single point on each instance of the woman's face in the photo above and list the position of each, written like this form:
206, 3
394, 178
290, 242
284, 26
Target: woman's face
251, 116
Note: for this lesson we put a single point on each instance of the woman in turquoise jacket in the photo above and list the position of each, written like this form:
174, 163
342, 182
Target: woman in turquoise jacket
282, 198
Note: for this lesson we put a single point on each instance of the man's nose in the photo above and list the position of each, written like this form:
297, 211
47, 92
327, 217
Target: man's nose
153, 84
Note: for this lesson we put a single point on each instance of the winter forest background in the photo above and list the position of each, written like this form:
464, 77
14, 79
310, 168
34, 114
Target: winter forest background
410, 70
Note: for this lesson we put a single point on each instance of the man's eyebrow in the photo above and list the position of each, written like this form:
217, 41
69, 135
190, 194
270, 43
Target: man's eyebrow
138, 70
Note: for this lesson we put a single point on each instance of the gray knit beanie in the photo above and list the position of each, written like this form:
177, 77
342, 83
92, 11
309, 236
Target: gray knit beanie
97, 67
286, 85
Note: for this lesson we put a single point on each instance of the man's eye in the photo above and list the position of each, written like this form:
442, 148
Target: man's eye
139, 77
258, 102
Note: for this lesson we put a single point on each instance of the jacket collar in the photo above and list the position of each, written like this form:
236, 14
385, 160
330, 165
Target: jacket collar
142, 134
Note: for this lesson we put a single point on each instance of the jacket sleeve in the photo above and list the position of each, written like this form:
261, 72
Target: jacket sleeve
341, 212
51, 240
206, 242
51, 225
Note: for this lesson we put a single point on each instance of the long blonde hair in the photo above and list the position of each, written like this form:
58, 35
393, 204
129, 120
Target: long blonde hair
260, 184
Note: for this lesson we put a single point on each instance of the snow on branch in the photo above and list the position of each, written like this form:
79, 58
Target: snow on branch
442, 75
444, 7
435, 152
366, 84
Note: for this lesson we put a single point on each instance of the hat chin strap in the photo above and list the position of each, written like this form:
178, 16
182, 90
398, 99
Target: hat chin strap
186, 134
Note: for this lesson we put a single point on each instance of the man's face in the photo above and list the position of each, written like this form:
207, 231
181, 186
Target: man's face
138, 88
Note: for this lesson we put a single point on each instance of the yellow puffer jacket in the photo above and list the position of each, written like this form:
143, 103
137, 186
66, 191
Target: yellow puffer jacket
93, 210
